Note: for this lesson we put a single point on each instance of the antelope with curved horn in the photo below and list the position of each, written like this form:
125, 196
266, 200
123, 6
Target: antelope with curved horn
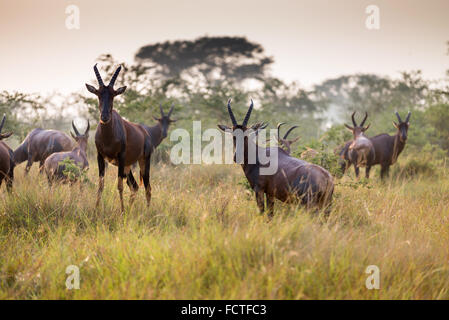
39, 144
121, 142
53, 166
360, 151
7, 163
283, 141
158, 132
292, 180
386, 148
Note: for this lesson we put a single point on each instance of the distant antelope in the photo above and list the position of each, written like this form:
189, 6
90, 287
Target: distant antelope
360, 152
53, 166
294, 179
6, 158
39, 144
283, 141
123, 143
387, 148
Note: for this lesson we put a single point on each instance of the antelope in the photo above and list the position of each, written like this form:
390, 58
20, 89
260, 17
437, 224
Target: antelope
6, 158
158, 132
294, 179
52, 165
283, 141
386, 148
123, 143
39, 144
360, 151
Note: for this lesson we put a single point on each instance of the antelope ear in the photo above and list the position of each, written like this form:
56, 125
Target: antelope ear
157, 119
173, 120
120, 90
294, 140
223, 128
91, 89
5, 135
349, 127
366, 128
395, 125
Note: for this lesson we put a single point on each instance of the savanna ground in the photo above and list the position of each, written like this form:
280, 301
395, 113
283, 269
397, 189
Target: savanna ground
203, 238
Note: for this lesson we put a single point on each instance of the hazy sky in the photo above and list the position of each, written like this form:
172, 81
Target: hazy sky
309, 40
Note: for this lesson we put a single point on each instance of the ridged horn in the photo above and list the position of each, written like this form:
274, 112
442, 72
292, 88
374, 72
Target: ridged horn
114, 77
248, 114
231, 114
97, 74
75, 129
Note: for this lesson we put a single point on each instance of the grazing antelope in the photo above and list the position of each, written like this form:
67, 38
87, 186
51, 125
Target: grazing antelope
360, 151
283, 141
123, 143
6, 158
39, 144
53, 166
294, 179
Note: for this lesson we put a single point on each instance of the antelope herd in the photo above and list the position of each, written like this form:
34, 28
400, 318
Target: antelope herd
124, 144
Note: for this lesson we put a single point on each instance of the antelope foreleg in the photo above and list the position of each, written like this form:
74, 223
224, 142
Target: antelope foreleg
260, 195
146, 180
101, 168
133, 186
270, 205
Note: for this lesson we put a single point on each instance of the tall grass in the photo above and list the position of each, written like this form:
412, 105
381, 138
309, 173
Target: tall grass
203, 238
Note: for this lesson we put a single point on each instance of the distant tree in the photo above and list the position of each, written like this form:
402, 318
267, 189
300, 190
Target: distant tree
215, 58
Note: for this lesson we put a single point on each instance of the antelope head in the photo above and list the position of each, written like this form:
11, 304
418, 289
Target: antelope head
283, 141
402, 126
242, 128
4, 135
358, 130
106, 94
81, 139
164, 121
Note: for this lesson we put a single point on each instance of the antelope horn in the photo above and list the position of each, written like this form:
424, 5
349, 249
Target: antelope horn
288, 132
75, 129
231, 114
279, 128
248, 114
353, 120
97, 74
399, 117
88, 127
364, 119
171, 110
408, 116
114, 77
3, 122
160, 108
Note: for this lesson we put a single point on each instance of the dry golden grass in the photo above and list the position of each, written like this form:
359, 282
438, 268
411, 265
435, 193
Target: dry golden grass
203, 238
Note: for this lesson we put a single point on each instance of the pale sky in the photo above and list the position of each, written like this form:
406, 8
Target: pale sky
309, 40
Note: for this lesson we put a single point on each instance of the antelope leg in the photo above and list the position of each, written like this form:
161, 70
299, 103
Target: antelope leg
270, 205
133, 186
121, 176
146, 180
101, 167
260, 200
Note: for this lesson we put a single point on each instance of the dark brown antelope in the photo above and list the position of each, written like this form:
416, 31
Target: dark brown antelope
123, 143
6, 158
360, 152
386, 148
158, 132
283, 142
53, 166
292, 180
39, 144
